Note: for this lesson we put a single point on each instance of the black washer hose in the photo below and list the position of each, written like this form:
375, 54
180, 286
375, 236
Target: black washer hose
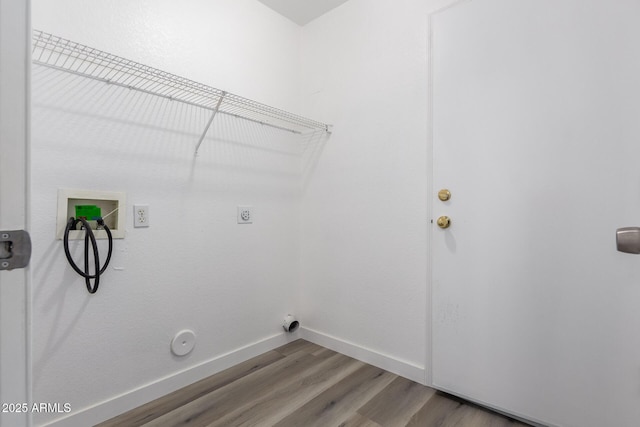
71, 225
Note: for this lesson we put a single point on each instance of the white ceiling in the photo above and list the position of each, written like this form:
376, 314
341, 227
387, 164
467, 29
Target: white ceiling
302, 11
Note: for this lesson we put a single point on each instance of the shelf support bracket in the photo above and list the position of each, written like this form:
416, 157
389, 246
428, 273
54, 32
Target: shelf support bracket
206, 129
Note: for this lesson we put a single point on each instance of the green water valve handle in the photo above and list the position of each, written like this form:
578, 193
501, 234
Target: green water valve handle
88, 212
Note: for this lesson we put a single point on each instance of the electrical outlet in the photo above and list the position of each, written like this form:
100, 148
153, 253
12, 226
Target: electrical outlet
140, 216
245, 215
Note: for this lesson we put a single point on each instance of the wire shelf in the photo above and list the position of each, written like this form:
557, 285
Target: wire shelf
62, 54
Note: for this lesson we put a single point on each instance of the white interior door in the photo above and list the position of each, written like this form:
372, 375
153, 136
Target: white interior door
14, 71
536, 133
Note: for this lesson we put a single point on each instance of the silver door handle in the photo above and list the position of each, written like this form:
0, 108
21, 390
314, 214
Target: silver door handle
628, 240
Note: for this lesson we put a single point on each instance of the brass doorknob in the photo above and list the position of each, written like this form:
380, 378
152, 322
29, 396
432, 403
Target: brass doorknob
444, 222
444, 194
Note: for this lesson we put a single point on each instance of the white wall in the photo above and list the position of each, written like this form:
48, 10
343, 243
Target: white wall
194, 267
238, 46
364, 214
357, 247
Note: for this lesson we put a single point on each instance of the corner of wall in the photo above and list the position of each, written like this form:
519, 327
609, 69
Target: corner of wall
383, 361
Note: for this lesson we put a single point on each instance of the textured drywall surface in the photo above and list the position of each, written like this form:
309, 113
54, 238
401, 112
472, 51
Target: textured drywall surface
194, 267
365, 220
353, 252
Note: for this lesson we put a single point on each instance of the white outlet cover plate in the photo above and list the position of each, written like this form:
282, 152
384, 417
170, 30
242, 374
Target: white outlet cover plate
245, 214
140, 216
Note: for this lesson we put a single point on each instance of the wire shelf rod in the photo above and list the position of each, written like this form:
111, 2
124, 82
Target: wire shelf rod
193, 104
68, 56
215, 111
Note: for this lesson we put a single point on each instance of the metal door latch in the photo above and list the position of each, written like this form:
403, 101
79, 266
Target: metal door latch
628, 240
15, 249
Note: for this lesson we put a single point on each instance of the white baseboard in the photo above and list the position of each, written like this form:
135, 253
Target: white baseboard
383, 361
137, 397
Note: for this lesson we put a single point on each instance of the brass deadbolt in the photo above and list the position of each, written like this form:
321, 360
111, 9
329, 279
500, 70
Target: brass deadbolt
444, 194
444, 222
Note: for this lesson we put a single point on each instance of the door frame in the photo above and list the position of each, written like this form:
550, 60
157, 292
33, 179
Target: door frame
431, 191
15, 63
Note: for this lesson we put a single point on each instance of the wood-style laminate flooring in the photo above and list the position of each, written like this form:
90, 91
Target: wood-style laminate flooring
302, 384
